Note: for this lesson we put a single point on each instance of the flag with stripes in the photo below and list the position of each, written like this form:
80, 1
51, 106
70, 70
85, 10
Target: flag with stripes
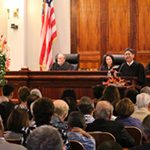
48, 34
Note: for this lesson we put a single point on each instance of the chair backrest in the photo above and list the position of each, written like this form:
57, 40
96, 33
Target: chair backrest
118, 59
136, 133
73, 59
100, 137
76, 145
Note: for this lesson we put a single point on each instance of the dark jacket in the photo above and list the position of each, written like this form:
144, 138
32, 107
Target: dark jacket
113, 127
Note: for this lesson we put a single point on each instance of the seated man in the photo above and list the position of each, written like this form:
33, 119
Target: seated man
104, 111
61, 63
131, 68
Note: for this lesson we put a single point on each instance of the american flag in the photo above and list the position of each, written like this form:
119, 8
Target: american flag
48, 34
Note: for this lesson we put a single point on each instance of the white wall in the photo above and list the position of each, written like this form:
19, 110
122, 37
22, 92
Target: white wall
24, 42
62, 43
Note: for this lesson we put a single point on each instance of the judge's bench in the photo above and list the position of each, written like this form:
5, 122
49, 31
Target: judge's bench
52, 83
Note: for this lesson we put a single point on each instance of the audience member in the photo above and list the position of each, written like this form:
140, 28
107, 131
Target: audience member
103, 123
4, 145
30, 99
23, 93
17, 123
43, 109
5, 109
98, 91
124, 109
108, 62
61, 110
61, 63
37, 92
76, 132
146, 131
145, 89
7, 93
142, 106
111, 93
69, 97
131, 94
131, 68
45, 137
86, 107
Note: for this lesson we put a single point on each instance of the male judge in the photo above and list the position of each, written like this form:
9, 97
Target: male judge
61, 63
131, 68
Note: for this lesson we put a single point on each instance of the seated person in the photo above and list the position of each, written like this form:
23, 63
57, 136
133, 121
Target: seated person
107, 63
148, 67
61, 63
131, 68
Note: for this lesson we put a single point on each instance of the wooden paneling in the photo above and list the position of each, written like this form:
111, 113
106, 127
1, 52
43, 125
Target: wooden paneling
119, 25
52, 83
109, 26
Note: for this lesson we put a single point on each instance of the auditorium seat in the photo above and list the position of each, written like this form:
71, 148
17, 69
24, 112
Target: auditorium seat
73, 59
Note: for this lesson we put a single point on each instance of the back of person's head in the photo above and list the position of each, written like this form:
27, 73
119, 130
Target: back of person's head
98, 91
30, 99
110, 145
8, 89
104, 110
61, 108
69, 97
36, 92
23, 93
131, 94
45, 137
146, 127
111, 93
5, 109
86, 105
18, 119
143, 100
124, 107
145, 89
43, 109
76, 119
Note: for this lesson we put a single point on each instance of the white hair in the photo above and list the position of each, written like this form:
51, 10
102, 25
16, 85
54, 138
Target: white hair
36, 92
142, 100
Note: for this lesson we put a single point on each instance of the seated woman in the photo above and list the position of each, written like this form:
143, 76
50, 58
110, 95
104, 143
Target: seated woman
108, 62
124, 109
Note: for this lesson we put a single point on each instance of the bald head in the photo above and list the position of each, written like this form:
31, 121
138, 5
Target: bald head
104, 110
61, 107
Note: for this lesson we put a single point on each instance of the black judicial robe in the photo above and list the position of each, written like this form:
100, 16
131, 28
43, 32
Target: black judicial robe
65, 66
134, 70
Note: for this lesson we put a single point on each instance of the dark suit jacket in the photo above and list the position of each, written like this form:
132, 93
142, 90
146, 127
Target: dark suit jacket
113, 127
65, 66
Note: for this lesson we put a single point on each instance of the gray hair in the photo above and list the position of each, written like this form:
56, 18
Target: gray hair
61, 107
104, 110
145, 89
36, 92
44, 137
142, 100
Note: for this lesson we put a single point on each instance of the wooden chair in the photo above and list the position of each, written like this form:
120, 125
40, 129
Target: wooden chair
100, 137
136, 133
76, 145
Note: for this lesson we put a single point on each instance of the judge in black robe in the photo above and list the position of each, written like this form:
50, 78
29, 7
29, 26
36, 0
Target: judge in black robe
132, 68
61, 63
